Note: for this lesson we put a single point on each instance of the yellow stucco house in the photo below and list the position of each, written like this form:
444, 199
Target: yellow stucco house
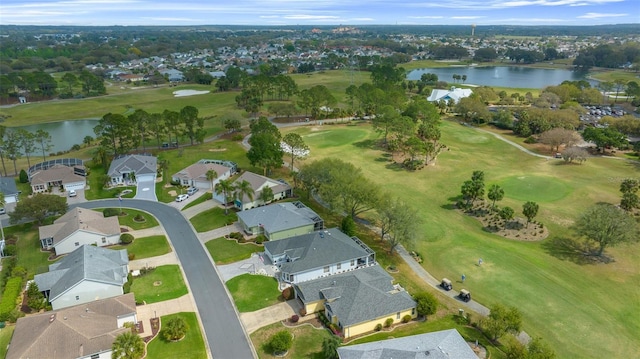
358, 300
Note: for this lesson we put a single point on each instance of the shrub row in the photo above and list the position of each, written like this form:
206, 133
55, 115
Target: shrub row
11, 293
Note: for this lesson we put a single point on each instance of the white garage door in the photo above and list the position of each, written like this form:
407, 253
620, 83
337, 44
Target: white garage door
10, 199
75, 186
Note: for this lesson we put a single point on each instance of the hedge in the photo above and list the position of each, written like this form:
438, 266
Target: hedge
11, 292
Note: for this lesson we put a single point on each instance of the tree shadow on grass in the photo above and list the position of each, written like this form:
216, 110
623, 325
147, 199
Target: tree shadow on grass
575, 251
366, 144
395, 166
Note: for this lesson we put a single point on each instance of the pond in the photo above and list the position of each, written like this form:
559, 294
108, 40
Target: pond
503, 76
65, 134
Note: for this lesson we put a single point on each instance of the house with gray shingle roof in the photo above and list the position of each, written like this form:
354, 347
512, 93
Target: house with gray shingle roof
87, 274
280, 189
318, 254
82, 331
78, 227
196, 175
280, 220
444, 344
9, 189
358, 300
126, 169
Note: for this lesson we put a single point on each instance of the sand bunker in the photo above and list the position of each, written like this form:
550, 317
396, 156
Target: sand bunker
183, 93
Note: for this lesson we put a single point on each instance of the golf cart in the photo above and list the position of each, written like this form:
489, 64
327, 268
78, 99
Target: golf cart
446, 284
464, 295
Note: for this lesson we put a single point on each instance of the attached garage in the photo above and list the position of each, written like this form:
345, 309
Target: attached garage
74, 186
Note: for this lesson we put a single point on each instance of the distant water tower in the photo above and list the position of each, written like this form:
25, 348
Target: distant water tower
473, 29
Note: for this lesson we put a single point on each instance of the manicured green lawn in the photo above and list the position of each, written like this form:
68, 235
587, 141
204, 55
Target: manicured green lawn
5, 338
307, 341
192, 346
129, 219
212, 218
224, 251
28, 249
562, 299
203, 197
98, 191
163, 283
146, 247
252, 292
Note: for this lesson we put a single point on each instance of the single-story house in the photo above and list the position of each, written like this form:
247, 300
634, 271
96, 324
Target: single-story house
84, 331
9, 189
357, 301
173, 75
78, 227
444, 344
196, 175
318, 254
280, 189
56, 176
280, 220
217, 74
454, 94
128, 169
87, 274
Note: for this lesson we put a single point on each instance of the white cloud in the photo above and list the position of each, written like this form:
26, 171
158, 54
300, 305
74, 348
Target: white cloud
596, 15
467, 17
425, 17
310, 17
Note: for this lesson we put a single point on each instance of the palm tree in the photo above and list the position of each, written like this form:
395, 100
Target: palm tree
211, 175
226, 188
243, 189
266, 195
176, 328
127, 346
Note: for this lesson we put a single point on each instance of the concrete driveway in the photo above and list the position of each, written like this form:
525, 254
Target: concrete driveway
146, 190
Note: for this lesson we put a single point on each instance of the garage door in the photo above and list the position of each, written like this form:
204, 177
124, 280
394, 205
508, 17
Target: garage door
146, 187
10, 199
74, 186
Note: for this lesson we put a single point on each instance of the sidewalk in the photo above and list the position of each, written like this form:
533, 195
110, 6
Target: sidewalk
219, 232
148, 311
200, 207
255, 320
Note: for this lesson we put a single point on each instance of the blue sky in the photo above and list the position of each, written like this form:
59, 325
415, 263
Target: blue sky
318, 12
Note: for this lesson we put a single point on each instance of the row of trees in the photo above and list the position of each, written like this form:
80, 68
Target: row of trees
41, 85
15, 143
346, 190
119, 134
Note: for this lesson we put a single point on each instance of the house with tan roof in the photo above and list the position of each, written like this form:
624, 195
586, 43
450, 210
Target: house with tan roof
84, 331
196, 175
55, 177
280, 189
78, 227
85, 275
357, 301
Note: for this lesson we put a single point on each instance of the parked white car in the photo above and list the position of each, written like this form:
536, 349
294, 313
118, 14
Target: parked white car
182, 197
72, 193
191, 191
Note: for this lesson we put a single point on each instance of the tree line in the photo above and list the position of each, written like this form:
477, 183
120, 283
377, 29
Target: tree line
15, 143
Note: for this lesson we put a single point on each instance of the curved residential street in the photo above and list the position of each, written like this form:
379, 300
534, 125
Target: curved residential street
224, 332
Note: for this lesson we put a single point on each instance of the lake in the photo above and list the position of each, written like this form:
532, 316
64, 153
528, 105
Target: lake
65, 134
503, 76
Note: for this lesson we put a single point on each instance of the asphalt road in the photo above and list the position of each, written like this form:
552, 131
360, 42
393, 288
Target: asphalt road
226, 337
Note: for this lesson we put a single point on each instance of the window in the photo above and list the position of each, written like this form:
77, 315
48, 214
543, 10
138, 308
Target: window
95, 356
413, 311
77, 297
398, 315
104, 240
326, 269
291, 278
353, 262
339, 266
77, 244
